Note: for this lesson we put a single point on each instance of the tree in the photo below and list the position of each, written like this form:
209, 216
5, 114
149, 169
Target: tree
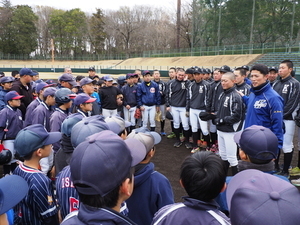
97, 34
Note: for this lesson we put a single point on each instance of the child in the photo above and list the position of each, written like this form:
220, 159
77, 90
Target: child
6, 84
152, 190
203, 177
64, 103
83, 103
39, 206
10, 124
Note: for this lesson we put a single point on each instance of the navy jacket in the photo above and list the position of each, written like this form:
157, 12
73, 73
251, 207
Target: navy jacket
32, 106
129, 93
190, 212
91, 215
108, 97
148, 94
152, 191
2, 94
41, 115
10, 119
162, 90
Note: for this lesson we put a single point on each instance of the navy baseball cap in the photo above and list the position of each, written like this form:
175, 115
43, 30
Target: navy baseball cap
62, 95
129, 75
86, 80
122, 124
258, 142
68, 78
49, 91
40, 86
83, 98
13, 189
34, 137
6, 80
12, 95
68, 124
103, 161
27, 71
255, 197
107, 78
148, 138
145, 72
197, 70
91, 68
225, 69
50, 82
88, 126
273, 68
190, 70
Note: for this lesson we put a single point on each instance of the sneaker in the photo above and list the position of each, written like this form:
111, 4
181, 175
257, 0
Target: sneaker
195, 149
177, 144
295, 171
188, 145
171, 135
163, 133
296, 182
282, 173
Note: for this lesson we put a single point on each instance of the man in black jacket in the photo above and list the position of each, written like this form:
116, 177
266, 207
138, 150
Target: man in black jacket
229, 120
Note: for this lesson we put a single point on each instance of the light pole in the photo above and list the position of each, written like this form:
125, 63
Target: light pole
251, 31
292, 25
219, 25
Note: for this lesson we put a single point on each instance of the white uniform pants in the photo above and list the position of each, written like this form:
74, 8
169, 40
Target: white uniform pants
129, 115
195, 121
212, 127
109, 112
179, 115
47, 163
288, 136
163, 112
227, 147
148, 113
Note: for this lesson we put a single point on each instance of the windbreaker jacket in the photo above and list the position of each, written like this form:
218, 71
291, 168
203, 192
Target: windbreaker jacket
162, 90
2, 95
10, 119
197, 95
231, 111
289, 90
244, 88
176, 93
148, 94
108, 96
129, 93
265, 108
191, 212
214, 94
152, 191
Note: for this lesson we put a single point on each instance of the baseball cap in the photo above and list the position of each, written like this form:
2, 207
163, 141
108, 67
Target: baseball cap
245, 67
49, 91
148, 138
86, 80
103, 161
2, 74
145, 72
62, 95
197, 70
225, 69
50, 82
27, 71
122, 124
83, 98
91, 69
68, 123
33, 137
258, 142
12, 95
13, 189
208, 71
121, 80
6, 80
67, 77
255, 197
107, 78
273, 68
88, 126
40, 86
190, 70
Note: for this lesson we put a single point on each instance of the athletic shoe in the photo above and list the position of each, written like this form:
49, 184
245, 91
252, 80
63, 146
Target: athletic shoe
295, 171
195, 149
177, 144
163, 133
171, 135
282, 173
296, 182
188, 145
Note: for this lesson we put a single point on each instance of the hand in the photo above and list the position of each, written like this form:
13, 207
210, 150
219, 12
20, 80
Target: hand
142, 108
241, 93
168, 109
187, 114
157, 108
127, 107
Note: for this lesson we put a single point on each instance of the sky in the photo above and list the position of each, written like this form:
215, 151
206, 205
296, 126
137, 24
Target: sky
90, 5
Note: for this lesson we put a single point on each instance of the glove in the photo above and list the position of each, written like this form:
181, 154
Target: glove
205, 116
187, 114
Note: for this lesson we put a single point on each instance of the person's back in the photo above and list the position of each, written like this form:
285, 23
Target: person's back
203, 177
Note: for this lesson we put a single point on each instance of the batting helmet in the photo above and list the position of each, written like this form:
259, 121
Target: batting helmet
5, 156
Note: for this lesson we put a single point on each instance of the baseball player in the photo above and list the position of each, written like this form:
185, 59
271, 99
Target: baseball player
176, 104
148, 99
6, 84
273, 74
289, 89
197, 95
39, 205
240, 83
162, 106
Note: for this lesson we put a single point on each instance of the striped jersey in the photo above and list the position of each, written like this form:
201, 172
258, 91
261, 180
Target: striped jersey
39, 203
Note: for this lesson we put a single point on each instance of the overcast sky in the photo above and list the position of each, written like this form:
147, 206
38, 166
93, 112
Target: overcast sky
90, 5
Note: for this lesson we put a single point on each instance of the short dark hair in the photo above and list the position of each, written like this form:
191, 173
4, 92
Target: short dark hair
203, 175
263, 69
243, 72
14, 73
79, 78
172, 68
289, 63
110, 200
